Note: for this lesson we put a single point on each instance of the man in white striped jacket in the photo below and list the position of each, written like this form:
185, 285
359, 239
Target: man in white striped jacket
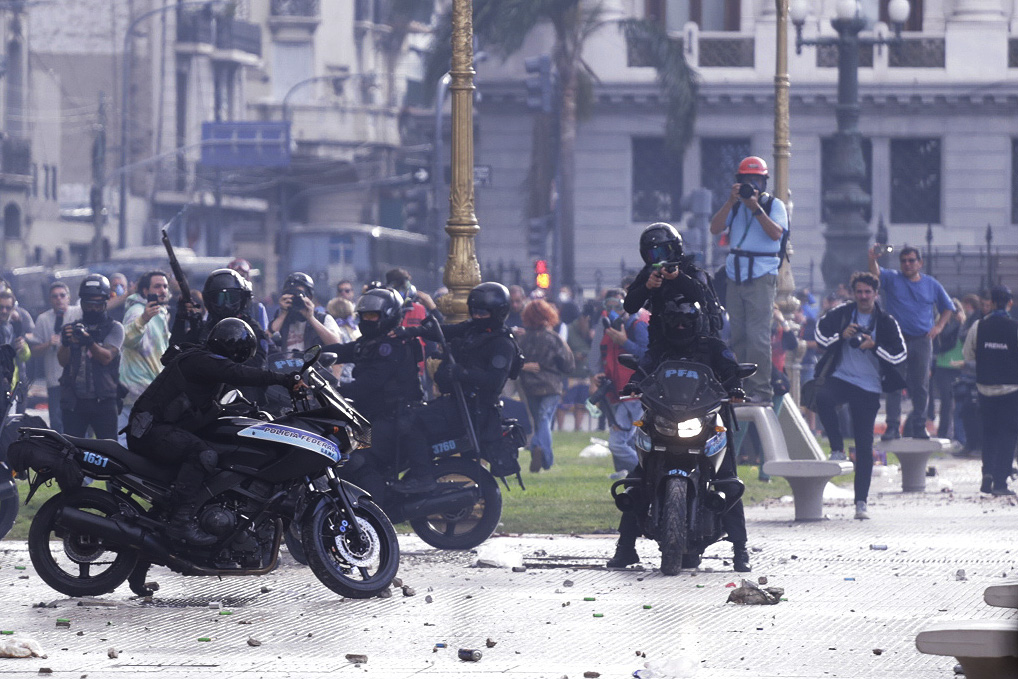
864, 348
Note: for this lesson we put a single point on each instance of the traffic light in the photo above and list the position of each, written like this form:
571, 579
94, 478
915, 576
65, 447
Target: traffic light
540, 83
415, 209
538, 229
542, 279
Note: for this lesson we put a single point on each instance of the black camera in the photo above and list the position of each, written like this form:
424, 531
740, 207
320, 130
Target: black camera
602, 389
746, 190
77, 334
297, 293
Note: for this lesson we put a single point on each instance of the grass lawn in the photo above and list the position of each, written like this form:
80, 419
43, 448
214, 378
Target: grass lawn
571, 497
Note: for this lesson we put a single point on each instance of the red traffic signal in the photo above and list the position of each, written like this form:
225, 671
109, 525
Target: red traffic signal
542, 278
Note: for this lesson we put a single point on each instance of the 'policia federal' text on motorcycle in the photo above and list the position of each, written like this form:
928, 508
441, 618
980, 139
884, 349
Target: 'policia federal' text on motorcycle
86, 541
681, 441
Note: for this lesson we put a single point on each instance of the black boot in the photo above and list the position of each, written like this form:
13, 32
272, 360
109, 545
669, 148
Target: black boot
625, 548
183, 525
741, 557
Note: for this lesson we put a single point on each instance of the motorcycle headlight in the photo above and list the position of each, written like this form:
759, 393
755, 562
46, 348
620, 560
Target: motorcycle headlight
665, 427
689, 428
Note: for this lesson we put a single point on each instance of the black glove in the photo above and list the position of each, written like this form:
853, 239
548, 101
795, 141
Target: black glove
737, 393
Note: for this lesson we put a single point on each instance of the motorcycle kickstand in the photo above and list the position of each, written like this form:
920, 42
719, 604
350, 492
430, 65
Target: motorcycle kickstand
136, 580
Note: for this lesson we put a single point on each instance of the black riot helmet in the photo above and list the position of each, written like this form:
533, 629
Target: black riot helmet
660, 242
226, 293
233, 339
492, 298
387, 304
683, 320
94, 287
299, 279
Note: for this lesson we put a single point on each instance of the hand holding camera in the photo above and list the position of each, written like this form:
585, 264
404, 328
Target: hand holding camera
75, 334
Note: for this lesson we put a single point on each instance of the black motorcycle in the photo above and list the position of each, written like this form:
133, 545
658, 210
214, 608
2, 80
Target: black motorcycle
86, 541
681, 442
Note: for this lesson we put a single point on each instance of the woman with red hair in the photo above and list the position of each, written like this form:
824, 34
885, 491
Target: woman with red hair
548, 362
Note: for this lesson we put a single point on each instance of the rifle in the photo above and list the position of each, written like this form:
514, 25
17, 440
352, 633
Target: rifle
178, 273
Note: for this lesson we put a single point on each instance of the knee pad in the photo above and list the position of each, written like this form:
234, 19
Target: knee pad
208, 459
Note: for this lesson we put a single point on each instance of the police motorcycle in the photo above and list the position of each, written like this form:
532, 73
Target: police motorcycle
12, 392
681, 442
88, 541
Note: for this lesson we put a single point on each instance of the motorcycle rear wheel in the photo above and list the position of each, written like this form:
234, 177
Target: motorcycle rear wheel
472, 525
65, 560
9, 506
673, 534
343, 564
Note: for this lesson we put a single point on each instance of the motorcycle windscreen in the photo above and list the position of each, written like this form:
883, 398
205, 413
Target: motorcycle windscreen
683, 387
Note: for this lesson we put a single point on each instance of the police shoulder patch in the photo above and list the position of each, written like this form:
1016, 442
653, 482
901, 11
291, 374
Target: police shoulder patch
499, 361
384, 349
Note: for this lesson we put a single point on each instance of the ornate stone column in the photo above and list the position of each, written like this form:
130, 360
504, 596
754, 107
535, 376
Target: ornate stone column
462, 271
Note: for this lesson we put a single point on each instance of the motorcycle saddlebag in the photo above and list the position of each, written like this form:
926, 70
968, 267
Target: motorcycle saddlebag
49, 457
503, 454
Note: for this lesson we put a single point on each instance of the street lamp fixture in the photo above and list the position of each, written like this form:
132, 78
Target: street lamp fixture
846, 201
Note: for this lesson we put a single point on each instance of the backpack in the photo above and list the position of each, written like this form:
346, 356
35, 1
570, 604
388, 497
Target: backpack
767, 202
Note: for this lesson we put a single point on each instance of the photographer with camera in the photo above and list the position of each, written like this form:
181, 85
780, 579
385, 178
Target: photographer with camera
90, 355
299, 322
617, 333
756, 222
864, 346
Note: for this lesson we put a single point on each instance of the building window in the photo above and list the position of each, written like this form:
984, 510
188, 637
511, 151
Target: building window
915, 181
719, 158
709, 15
915, 15
12, 222
45, 182
1014, 181
657, 181
292, 63
827, 165
53, 182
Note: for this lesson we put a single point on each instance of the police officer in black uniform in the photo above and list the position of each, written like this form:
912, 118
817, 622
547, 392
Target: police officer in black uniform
667, 275
386, 384
484, 354
686, 337
90, 354
181, 400
226, 294
993, 343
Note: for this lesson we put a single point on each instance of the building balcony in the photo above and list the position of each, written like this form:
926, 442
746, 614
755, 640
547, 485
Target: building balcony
241, 39
294, 20
295, 8
16, 161
195, 28
336, 131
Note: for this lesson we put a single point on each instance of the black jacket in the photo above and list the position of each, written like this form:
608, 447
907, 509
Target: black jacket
385, 376
693, 284
485, 360
890, 349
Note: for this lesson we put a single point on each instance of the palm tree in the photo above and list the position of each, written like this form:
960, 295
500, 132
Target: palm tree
503, 26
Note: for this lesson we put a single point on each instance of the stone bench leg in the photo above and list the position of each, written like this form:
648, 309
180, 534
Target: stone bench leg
989, 668
808, 493
913, 471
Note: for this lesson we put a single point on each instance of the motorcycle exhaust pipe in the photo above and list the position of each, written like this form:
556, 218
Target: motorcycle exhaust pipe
126, 536
447, 502
715, 501
730, 490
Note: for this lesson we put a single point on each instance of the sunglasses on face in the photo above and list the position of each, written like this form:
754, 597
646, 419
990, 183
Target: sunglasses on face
6, 308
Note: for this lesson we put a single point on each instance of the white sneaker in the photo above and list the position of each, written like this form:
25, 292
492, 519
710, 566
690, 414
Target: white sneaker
619, 475
837, 455
860, 511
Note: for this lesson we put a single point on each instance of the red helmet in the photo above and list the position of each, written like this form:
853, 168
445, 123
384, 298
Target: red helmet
753, 165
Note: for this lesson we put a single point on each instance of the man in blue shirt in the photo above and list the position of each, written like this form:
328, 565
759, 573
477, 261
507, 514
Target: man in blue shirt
756, 224
914, 300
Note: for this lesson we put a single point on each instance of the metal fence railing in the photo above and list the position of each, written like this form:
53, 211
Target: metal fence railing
918, 53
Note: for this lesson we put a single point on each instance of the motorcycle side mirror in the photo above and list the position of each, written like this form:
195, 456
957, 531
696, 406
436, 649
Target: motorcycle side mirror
327, 359
745, 370
232, 396
311, 355
631, 362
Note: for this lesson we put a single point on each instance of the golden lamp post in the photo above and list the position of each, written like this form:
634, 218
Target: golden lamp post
461, 269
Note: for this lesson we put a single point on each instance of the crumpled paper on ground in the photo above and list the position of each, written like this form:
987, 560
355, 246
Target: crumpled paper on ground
17, 647
497, 555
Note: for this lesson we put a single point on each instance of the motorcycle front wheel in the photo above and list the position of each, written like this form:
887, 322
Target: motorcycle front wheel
72, 563
470, 526
674, 510
8, 505
356, 567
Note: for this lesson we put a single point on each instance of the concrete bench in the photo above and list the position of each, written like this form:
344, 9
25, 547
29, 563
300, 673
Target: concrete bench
792, 452
1004, 596
985, 649
913, 454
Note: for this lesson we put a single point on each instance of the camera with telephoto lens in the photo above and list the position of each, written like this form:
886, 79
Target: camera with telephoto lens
746, 190
601, 390
78, 332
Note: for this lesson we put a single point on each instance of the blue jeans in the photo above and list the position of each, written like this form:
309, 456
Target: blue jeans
620, 441
542, 409
56, 415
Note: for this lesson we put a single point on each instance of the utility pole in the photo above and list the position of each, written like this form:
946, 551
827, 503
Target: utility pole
96, 251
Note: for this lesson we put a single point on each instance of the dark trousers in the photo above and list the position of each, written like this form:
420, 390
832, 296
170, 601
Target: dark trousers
863, 405
944, 379
917, 381
98, 413
1000, 435
56, 415
166, 444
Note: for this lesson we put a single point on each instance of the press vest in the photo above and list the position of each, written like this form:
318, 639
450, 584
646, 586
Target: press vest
997, 350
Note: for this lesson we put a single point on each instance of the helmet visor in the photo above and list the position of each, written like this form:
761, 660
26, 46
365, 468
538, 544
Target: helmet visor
660, 253
228, 299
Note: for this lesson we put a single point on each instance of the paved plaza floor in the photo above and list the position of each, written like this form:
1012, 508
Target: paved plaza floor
849, 611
